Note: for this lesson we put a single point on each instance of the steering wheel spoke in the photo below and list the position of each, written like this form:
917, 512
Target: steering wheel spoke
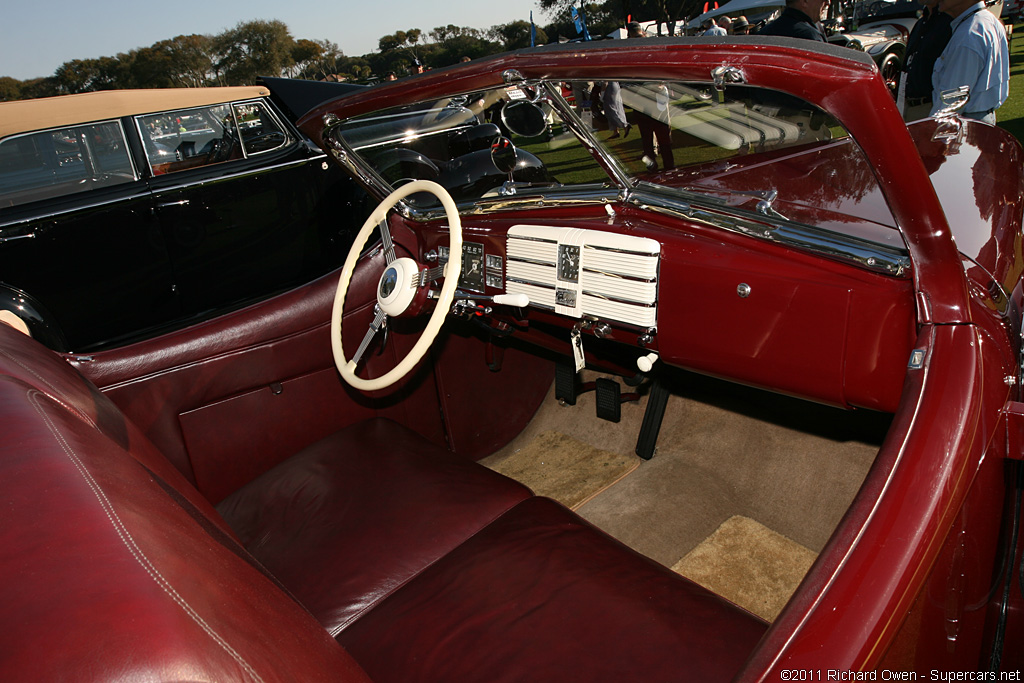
397, 288
386, 241
380, 321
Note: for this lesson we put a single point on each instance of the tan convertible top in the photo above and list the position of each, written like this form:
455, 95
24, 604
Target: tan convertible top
23, 116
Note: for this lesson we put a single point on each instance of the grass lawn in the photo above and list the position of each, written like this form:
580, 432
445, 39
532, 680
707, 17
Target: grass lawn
1011, 115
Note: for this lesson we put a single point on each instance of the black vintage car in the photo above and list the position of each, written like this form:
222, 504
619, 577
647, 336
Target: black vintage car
127, 213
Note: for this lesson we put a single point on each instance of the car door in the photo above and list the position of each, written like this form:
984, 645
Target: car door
78, 236
239, 196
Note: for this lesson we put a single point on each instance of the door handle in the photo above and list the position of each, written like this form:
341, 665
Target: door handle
168, 205
26, 236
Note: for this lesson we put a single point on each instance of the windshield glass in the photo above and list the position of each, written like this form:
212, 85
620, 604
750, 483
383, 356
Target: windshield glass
732, 146
481, 145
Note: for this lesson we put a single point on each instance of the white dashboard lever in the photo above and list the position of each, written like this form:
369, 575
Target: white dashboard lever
645, 363
518, 300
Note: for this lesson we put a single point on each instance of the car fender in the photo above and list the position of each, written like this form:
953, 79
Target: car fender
41, 324
894, 46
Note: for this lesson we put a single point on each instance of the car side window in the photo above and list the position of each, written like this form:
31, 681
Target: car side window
64, 161
261, 131
191, 138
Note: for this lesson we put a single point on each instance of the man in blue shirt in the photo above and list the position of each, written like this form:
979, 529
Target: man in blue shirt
800, 19
977, 56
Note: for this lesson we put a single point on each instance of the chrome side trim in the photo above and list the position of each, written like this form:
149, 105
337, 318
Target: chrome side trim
142, 192
232, 176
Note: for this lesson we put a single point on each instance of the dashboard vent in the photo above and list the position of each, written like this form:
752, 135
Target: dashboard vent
579, 273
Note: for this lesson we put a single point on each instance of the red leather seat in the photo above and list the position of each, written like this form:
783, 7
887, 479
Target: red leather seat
424, 565
352, 518
104, 576
541, 595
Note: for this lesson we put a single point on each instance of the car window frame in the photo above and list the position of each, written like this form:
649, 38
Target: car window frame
290, 136
136, 174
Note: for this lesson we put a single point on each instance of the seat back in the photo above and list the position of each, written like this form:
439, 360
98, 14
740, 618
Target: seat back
109, 570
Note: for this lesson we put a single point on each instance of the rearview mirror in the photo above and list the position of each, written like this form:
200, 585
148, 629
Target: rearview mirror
524, 118
503, 155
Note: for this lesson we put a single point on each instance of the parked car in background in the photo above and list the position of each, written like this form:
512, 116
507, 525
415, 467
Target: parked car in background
128, 213
879, 28
798, 315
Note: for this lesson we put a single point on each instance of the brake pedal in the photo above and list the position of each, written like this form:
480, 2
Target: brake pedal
609, 400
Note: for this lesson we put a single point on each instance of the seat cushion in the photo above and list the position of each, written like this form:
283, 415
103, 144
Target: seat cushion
541, 595
350, 519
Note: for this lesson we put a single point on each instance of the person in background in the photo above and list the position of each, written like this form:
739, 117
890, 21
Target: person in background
634, 30
611, 98
800, 19
725, 23
927, 40
977, 56
711, 28
740, 26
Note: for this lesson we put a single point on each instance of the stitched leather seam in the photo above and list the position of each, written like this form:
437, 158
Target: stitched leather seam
55, 394
129, 541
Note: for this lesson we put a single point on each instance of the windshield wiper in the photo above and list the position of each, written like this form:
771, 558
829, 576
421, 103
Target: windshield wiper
764, 206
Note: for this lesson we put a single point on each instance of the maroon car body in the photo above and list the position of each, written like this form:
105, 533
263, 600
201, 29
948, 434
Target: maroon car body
858, 264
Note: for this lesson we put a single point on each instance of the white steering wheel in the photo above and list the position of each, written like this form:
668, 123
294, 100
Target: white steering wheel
396, 288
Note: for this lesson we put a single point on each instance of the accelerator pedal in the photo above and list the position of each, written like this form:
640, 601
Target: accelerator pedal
653, 415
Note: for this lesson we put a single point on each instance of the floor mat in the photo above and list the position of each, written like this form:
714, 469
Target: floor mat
749, 564
560, 467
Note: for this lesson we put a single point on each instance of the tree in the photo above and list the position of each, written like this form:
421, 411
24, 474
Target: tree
601, 18
252, 49
10, 89
401, 40
190, 59
77, 76
516, 35
315, 59
452, 43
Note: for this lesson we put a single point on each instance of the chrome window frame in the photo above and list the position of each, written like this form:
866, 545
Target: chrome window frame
289, 137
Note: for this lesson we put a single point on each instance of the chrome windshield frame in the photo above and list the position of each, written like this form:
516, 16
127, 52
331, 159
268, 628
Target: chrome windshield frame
685, 203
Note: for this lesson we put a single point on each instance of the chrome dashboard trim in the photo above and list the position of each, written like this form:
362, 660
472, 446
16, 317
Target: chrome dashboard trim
618, 300
870, 255
620, 276
523, 281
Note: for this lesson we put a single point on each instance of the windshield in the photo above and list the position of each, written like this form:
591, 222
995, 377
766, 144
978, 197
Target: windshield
732, 146
479, 145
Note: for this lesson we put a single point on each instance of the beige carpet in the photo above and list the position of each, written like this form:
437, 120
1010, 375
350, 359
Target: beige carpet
560, 467
749, 564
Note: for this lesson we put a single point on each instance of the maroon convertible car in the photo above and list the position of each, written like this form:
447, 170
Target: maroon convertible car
732, 393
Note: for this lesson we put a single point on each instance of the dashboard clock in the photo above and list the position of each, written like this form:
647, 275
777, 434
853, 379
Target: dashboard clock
472, 267
568, 262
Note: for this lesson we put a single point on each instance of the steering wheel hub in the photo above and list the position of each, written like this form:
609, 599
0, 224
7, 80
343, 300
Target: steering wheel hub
397, 286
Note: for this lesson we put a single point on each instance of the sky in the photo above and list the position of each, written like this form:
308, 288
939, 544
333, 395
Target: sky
37, 36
